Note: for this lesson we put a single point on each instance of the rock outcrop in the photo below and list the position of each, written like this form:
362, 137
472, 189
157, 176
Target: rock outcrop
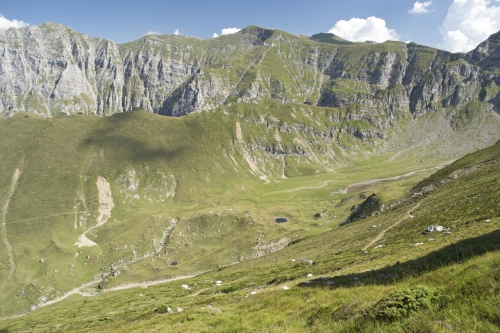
50, 69
370, 206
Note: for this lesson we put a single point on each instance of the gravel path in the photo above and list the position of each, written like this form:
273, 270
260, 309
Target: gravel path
382, 233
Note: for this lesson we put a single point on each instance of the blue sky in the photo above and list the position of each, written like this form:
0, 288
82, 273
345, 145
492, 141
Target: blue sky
462, 23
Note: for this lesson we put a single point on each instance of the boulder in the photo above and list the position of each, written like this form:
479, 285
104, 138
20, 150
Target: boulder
434, 228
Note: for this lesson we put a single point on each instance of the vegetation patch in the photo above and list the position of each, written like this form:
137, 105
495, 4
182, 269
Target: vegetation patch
405, 301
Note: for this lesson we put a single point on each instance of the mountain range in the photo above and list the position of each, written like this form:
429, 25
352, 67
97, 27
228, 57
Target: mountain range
50, 69
171, 157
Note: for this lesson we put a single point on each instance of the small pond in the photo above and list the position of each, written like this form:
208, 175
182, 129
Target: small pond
280, 220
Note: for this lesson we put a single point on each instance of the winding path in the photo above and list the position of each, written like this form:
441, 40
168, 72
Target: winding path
78, 290
150, 283
367, 183
358, 185
382, 233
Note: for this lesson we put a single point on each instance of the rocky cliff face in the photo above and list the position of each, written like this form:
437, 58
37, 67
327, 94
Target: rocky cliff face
51, 69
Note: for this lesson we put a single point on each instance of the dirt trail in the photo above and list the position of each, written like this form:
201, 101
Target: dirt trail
78, 290
358, 185
3, 217
106, 205
246, 155
382, 233
304, 188
149, 283
367, 183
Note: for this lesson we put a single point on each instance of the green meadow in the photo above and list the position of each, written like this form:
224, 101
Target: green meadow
195, 201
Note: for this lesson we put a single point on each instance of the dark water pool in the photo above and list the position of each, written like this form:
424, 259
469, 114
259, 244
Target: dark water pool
280, 220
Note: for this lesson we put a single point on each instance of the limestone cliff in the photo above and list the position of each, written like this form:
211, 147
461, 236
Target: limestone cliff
50, 69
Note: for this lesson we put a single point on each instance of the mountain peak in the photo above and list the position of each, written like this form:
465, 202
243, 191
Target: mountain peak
494, 38
326, 37
487, 53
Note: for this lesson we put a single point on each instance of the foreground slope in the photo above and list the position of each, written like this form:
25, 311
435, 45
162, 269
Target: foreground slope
337, 280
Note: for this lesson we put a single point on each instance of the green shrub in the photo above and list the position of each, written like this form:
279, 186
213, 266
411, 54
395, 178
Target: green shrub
162, 309
405, 301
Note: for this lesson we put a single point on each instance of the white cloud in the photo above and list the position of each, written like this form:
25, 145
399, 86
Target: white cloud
228, 31
421, 8
176, 32
468, 23
360, 30
215, 35
6, 24
153, 33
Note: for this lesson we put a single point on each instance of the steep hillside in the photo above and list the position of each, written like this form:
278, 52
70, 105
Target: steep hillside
90, 196
382, 273
52, 70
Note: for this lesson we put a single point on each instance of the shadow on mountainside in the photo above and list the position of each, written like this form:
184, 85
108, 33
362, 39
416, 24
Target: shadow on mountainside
129, 136
454, 253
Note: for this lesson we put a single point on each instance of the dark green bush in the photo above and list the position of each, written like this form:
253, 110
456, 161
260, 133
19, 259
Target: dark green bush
405, 301
162, 309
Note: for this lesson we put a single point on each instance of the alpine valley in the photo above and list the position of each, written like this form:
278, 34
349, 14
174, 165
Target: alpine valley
141, 184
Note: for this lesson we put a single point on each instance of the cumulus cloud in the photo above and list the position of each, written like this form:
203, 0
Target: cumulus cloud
228, 31
421, 8
6, 24
361, 30
153, 33
176, 32
468, 23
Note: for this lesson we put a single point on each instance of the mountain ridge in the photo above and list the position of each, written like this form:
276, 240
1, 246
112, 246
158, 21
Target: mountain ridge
269, 125
163, 73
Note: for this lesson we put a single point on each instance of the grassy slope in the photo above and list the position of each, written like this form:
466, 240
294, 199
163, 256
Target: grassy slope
454, 264
216, 193
484, 156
